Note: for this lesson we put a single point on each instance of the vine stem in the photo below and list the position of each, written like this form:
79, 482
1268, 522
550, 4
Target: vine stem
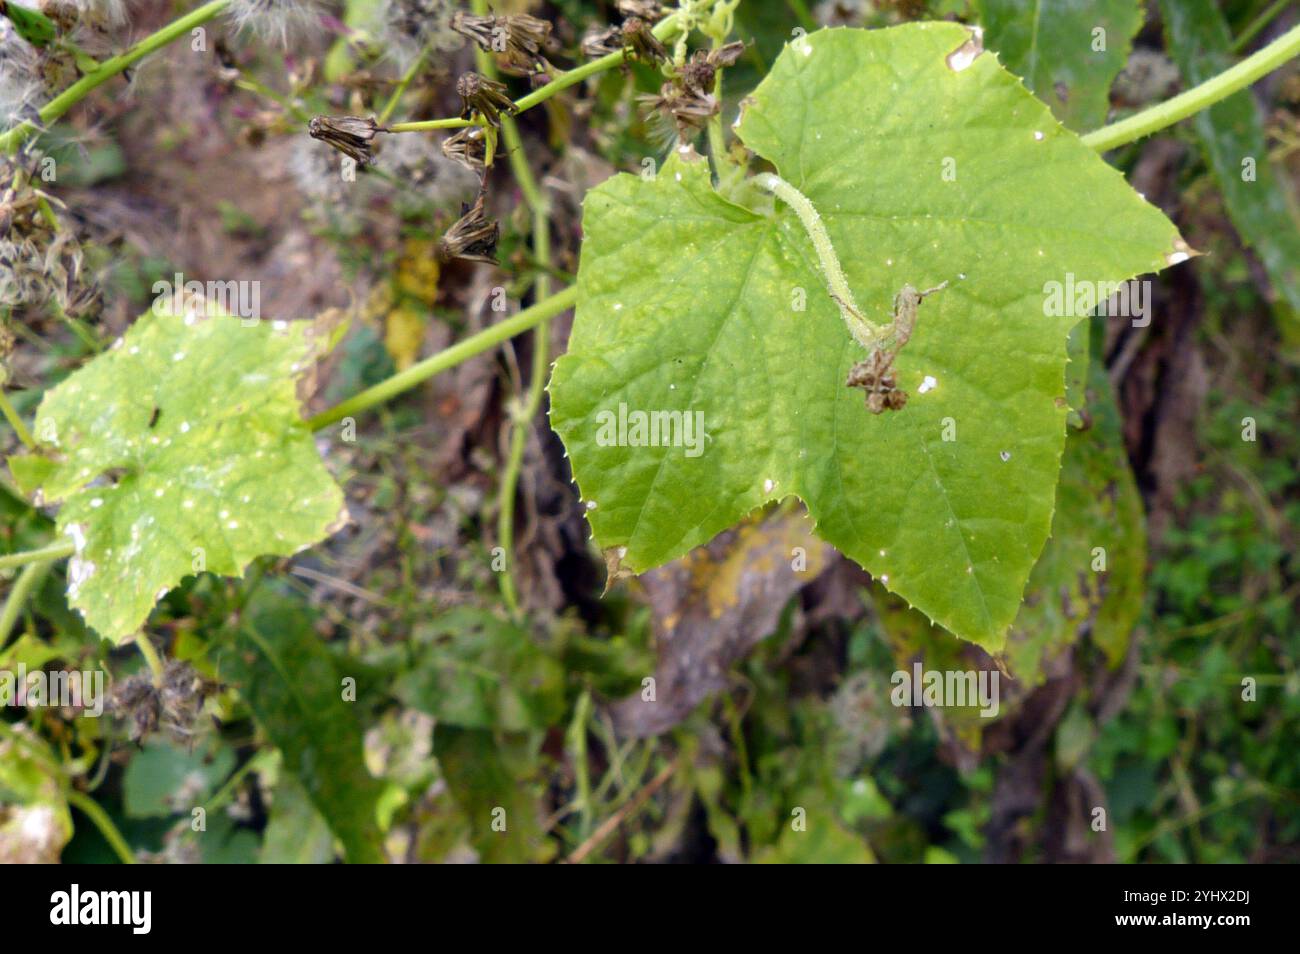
150, 653
663, 31
16, 422
28, 580
54, 551
447, 358
864, 331
78, 91
522, 417
90, 808
1200, 97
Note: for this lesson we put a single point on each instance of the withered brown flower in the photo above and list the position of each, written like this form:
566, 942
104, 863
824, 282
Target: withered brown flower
651, 10
485, 96
469, 148
700, 70
351, 135
688, 109
472, 237
639, 41
519, 37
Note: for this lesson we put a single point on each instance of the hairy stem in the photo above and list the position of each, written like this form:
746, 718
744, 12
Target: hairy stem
864, 331
79, 90
447, 358
1200, 97
90, 808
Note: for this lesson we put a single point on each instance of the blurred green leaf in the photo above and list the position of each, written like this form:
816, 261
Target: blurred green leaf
477, 671
1259, 201
1068, 51
163, 779
288, 679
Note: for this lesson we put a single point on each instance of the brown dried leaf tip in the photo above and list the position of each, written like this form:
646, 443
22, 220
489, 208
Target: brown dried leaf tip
484, 96
875, 375
351, 135
472, 237
520, 38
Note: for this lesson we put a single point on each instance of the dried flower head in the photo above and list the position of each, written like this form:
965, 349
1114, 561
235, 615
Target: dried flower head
472, 237
174, 706
640, 42
275, 19
702, 68
651, 10
688, 109
482, 95
468, 147
22, 87
519, 38
602, 41
350, 135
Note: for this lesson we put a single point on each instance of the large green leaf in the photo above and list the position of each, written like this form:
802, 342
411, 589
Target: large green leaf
289, 681
1260, 203
1068, 51
689, 303
179, 449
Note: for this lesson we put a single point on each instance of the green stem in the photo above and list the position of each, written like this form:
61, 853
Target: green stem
866, 332
78, 91
521, 419
666, 28
447, 358
1213, 90
250, 85
16, 422
425, 124
401, 88
27, 581
90, 808
54, 551
151, 657
1261, 21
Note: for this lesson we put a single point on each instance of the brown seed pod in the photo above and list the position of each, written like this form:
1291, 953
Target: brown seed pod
640, 42
469, 148
351, 135
482, 95
688, 109
472, 237
651, 10
520, 38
